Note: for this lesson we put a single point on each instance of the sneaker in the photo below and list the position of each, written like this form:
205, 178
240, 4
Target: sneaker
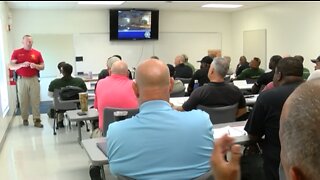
38, 124
25, 122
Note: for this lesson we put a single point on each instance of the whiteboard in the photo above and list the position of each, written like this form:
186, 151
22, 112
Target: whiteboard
96, 48
54, 48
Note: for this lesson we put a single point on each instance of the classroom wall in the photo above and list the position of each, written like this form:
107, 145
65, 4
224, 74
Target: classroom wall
292, 28
4, 121
97, 21
73, 22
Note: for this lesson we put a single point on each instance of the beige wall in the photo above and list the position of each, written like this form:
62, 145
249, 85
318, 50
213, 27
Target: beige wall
4, 121
73, 22
97, 21
292, 28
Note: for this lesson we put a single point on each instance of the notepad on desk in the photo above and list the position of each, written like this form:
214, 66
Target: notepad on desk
231, 131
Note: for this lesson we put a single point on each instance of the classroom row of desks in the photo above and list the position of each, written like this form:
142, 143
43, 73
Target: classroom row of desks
98, 157
92, 114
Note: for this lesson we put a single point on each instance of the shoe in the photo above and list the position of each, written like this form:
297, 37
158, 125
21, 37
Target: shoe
25, 122
38, 124
60, 124
95, 173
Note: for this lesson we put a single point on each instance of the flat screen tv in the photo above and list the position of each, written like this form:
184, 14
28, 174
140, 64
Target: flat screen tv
134, 24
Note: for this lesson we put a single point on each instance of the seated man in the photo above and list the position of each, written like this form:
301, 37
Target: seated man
243, 64
299, 137
266, 78
105, 72
306, 72
186, 59
216, 93
182, 70
159, 142
178, 86
265, 116
115, 91
254, 72
66, 80
201, 75
315, 74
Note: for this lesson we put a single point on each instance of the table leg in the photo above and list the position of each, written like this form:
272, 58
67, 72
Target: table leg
79, 132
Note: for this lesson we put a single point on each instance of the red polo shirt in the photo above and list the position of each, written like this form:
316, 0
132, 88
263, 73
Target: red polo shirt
32, 56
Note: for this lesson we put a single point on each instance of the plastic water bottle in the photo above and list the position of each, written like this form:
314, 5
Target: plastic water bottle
196, 84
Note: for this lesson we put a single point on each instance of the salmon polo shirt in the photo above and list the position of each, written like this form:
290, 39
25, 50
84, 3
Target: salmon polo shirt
114, 91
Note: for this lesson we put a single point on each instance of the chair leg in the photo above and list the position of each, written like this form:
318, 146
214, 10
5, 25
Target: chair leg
87, 126
54, 124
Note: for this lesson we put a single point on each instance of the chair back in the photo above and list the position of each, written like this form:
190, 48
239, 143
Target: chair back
178, 93
222, 114
109, 118
184, 80
59, 105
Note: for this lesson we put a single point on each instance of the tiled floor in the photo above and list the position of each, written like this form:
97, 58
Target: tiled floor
33, 153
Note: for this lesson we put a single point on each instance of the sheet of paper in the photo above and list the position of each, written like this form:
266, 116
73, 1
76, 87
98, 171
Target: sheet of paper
231, 131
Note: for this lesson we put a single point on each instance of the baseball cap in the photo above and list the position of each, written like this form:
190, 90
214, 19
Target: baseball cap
111, 60
315, 60
206, 59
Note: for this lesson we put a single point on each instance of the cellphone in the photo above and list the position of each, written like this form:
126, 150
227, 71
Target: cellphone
81, 113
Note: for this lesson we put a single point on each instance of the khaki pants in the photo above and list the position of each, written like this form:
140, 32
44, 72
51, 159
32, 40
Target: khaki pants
29, 92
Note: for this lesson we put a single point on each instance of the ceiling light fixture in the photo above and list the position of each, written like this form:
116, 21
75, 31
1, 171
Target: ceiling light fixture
221, 6
101, 2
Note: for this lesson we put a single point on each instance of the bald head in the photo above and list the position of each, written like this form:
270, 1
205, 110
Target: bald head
153, 81
152, 73
120, 68
299, 131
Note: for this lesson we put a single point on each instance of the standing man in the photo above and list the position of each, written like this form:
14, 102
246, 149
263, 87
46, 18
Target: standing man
27, 62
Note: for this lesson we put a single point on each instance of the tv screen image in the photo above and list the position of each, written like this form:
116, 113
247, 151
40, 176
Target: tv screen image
134, 24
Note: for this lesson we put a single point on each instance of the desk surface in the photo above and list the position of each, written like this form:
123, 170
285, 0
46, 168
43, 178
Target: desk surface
95, 155
178, 101
242, 84
92, 114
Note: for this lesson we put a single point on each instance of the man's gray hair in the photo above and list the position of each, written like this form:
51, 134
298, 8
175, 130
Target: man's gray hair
300, 137
220, 65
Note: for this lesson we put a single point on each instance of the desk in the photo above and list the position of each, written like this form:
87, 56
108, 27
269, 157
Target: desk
251, 99
239, 124
96, 156
72, 115
178, 101
242, 84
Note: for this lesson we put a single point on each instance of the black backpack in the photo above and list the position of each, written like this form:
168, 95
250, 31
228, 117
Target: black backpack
70, 92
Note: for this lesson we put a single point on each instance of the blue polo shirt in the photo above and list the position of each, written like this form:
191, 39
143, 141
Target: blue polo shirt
160, 143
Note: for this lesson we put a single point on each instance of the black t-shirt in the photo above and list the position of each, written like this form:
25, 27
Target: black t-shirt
264, 120
215, 95
202, 76
183, 71
240, 68
264, 79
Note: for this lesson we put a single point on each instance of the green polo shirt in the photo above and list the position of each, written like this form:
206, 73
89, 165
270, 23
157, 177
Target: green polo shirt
250, 73
67, 81
306, 73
